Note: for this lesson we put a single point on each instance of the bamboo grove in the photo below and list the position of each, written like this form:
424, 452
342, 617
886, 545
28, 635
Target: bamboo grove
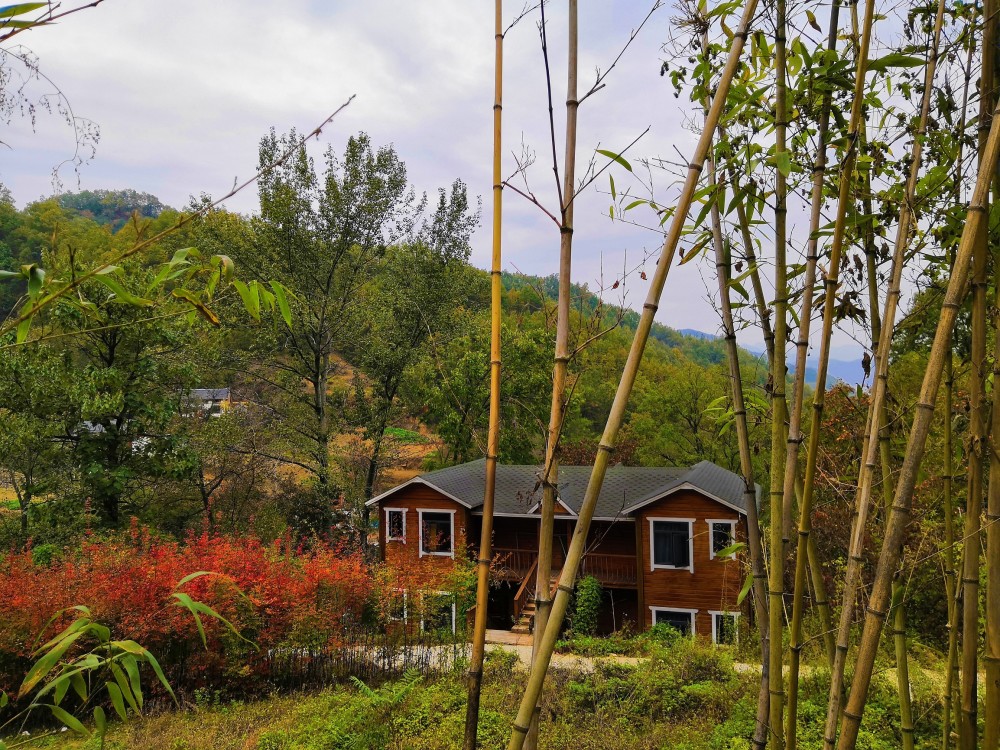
844, 169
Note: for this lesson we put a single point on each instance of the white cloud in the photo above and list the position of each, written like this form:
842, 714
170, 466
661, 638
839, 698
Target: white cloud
183, 92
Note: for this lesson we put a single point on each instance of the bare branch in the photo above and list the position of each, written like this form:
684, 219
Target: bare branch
599, 83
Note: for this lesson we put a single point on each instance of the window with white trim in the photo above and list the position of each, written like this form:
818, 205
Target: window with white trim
437, 532
671, 543
438, 612
397, 606
395, 524
681, 620
723, 534
724, 630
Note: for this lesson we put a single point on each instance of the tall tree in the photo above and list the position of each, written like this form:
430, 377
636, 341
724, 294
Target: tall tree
320, 235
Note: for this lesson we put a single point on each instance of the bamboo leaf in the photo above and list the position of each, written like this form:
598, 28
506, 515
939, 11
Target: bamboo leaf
615, 157
158, 671
69, 720
731, 550
251, 300
746, 588
8, 11
116, 699
894, 60
132, 667
783, 161
281, 296
120, 292
100, 721
46, 664
226, 264
201, 307
123, 685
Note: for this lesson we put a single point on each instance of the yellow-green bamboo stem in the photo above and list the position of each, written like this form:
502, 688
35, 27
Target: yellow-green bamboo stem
723, 265
550, 478
951, 668
794, 439
540, 664
978, 443
493, 435
777, 508
890, 553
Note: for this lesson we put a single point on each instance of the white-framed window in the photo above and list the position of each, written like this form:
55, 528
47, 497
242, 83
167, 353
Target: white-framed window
671, 544
437, 532
438, 611
680, 619
721, 534
395, 524
724, 628
398, 606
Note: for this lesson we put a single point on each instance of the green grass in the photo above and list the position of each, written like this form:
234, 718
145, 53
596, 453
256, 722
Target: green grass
687, 697
405, 436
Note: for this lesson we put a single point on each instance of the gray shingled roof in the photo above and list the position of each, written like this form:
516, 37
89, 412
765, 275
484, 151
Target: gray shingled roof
625, 487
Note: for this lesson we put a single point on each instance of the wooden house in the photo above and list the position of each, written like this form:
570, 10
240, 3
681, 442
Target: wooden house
654, 542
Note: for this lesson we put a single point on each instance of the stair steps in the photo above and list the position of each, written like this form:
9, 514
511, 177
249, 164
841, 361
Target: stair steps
526, 623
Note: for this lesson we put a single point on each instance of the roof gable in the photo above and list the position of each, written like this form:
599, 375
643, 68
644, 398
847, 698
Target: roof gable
625, 488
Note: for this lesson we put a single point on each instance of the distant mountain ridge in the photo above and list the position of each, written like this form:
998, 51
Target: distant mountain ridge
848, 370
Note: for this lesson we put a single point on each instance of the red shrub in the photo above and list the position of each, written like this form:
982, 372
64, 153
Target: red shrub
274, 595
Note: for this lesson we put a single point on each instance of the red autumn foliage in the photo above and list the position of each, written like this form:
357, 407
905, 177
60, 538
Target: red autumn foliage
274, 595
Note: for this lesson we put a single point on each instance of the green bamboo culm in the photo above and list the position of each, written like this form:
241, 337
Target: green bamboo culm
475, 679
778, 377
978, 440
890, 552
795, 437
723, 268
541, 662
830, 287
550, 473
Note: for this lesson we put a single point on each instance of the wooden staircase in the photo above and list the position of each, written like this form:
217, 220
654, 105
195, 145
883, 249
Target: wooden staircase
525, 612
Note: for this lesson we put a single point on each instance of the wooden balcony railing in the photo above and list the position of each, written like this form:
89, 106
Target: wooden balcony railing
513, 564
619, 570
609, 569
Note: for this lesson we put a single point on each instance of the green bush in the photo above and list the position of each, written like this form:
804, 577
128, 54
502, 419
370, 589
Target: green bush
587, 610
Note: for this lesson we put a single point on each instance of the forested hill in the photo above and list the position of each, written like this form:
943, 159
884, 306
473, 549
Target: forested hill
700, 347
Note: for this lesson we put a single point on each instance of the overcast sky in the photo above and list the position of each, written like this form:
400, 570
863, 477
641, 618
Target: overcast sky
183, 91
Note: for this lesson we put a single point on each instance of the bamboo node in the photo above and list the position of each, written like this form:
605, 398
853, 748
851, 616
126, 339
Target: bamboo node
696, 167
519, 729
852, 717
650, 306
876, 613
605, 447
563, 587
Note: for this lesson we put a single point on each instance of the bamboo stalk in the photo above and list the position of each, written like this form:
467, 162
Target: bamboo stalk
550, 478
779, 412
991, 659
493, 436
951, 669
899, 518
978, 444
566, 580
764, 317
950, 574
875, 447
723, 264
795, 437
